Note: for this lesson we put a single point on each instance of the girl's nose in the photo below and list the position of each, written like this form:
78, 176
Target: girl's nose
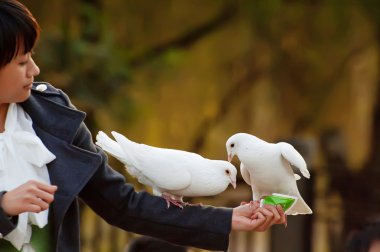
33, 70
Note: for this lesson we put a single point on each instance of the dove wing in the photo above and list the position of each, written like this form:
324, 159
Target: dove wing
245, 174
294, 158
168, 169
165, 168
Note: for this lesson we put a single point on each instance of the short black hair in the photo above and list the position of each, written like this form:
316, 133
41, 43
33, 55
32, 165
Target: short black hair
18, 29
360, 240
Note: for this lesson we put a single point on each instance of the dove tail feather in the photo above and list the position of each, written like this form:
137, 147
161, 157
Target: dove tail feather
109, 145
128, 147
299, 208
121, 139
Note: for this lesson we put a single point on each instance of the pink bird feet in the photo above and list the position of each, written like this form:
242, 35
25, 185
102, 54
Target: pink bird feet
169, 199
177, 202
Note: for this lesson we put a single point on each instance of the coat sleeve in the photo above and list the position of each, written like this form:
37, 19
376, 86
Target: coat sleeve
116, 201
6, 224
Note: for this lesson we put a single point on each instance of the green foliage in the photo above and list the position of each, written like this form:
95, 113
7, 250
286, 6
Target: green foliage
83, 58
373, 9
263, 13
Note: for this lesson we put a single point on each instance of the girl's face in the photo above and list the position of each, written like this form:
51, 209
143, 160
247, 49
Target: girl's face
16, 78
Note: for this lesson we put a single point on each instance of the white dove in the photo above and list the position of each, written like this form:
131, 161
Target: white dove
173, 174
266, 168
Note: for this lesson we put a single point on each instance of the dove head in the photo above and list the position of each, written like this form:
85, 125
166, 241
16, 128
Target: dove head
234, 143
227, 171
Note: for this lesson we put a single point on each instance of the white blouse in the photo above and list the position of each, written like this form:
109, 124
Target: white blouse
23, 157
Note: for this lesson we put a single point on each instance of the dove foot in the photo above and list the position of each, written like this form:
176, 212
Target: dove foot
192, 204
173, 201
251, 203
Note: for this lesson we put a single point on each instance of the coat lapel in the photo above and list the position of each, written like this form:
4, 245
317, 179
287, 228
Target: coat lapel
49, 115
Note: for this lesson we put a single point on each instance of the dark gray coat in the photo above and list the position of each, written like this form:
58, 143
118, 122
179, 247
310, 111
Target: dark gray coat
80, 170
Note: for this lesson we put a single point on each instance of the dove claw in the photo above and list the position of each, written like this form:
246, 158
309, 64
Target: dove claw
195, 204
173, 201
286, 221
251, 204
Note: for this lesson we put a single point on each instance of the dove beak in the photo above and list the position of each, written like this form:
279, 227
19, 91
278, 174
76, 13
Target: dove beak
230, 157
233, 183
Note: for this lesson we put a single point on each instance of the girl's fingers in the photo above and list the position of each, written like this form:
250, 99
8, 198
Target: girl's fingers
265, 212
272, 214
273, 209
43, 186
282, 214
258, 221
39, 202
47, 197
280, 210
33, 208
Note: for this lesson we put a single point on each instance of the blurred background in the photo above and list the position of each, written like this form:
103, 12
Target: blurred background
189, 74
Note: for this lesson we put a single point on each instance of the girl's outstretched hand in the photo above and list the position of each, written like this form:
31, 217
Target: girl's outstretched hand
251, 216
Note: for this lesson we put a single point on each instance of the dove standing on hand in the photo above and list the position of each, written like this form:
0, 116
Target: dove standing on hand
173, 174
266, 168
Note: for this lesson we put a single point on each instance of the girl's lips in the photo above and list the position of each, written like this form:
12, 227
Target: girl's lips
29, 86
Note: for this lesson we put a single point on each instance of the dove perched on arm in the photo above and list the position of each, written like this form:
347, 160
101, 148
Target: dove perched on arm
266, 167
173, 174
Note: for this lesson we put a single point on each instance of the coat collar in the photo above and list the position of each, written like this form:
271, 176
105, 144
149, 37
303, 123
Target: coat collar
41, 106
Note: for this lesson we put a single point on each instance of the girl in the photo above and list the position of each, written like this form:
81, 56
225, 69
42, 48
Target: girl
48, 161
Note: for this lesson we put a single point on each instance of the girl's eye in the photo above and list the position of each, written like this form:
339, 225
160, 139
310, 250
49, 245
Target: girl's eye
24, 59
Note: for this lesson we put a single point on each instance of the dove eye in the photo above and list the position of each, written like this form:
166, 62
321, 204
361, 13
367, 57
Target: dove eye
232, 145
227, 172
